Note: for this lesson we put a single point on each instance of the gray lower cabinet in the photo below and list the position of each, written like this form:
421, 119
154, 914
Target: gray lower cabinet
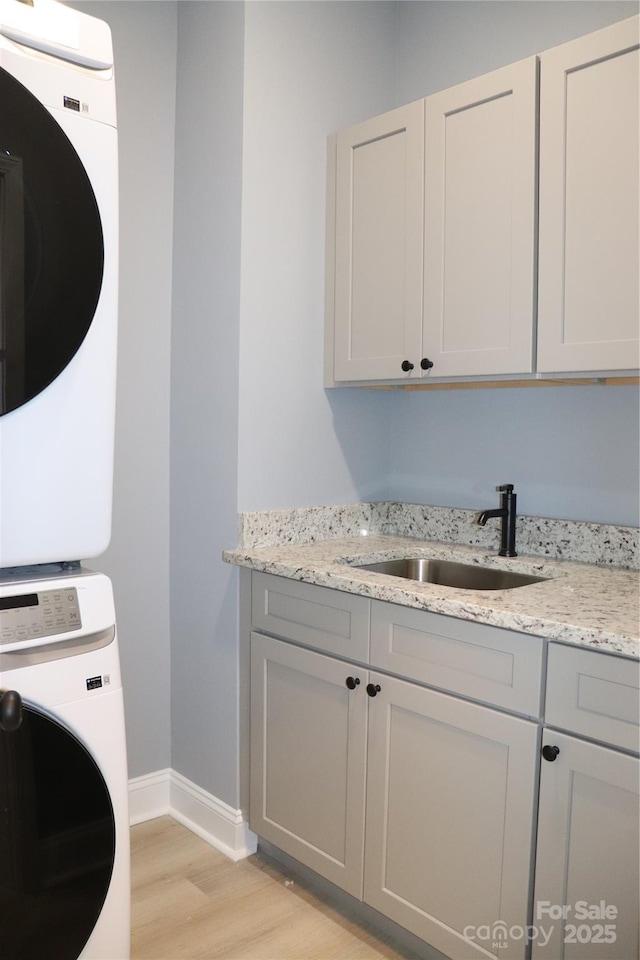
588, 852
449, 817
444, 788
308, 758
587, 867
501, 668
397, 753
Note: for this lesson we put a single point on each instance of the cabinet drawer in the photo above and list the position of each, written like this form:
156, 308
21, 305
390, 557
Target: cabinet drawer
594, 694
495, 666
315, 616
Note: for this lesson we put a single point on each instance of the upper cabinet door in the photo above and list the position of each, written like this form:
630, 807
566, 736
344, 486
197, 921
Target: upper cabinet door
588, 314
378, 257
480, 171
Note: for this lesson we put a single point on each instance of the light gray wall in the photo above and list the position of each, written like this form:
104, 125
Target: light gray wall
259, 86
572, 452
204, 394
144, 37
310, 68
444, 42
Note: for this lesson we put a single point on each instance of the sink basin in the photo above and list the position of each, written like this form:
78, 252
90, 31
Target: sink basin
449, 574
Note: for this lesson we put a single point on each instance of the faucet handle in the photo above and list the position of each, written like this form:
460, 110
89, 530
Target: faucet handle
505, 488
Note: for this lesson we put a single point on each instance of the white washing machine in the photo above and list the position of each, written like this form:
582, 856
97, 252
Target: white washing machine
58, 282
64, 825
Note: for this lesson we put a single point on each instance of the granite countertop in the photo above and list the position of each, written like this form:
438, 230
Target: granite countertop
591, 606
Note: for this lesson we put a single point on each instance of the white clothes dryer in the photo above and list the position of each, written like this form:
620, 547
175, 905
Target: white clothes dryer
64, 826
58, 282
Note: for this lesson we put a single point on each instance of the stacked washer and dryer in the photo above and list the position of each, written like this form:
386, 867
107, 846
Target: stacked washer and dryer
64, 831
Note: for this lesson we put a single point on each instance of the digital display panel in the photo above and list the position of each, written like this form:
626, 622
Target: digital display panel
24, 600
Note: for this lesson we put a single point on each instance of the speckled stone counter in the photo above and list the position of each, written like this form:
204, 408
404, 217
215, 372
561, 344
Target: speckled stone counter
580, 603
599, 543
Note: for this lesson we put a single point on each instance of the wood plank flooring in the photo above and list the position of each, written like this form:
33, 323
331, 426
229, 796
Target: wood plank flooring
190, 903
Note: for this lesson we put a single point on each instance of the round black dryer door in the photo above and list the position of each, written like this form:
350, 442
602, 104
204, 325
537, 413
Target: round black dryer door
51, 247
57, 841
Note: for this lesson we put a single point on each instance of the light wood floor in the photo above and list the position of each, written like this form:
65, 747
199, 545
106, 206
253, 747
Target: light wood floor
190, 903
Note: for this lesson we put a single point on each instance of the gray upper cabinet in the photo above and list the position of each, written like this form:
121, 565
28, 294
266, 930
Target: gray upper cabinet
479, 258
378, 238
588, 315
434, 234
433, 246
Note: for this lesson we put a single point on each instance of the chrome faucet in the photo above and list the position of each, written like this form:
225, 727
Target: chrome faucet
507, 512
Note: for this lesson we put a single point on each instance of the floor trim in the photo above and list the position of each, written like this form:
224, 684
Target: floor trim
168, 792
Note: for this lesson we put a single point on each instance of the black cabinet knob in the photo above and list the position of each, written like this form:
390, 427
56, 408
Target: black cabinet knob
10, 711
352, 682
426, 364
550, 753
406, 365
373, 689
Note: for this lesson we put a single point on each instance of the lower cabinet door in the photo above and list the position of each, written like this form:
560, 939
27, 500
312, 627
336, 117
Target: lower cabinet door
588, 860
450, 811
308, 757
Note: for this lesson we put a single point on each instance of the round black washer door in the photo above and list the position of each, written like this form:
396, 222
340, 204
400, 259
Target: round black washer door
51, 247
57, 841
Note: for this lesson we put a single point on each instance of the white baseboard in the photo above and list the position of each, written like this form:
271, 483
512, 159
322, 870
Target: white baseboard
167, 792
149, 796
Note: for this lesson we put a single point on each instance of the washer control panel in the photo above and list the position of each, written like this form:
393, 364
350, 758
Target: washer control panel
32, 616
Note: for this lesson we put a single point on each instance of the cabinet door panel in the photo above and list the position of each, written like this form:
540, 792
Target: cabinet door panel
594, 694
589, 247
499, 667
329, 620
480, 167
450, 798
588, 843
379, 215
308, 742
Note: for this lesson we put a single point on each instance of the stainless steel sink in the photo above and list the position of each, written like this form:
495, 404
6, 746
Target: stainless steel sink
449, 574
